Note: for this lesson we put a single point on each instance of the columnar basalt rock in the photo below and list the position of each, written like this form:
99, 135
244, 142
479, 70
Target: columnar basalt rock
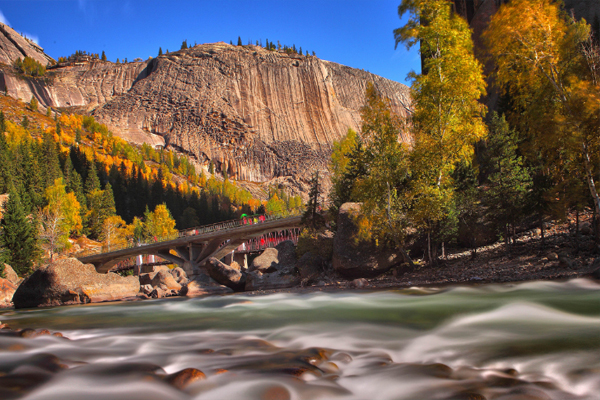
256, 114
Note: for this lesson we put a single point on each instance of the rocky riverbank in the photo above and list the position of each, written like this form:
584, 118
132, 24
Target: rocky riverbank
322, 262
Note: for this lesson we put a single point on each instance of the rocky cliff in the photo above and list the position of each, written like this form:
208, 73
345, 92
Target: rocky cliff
13, 46
258, 115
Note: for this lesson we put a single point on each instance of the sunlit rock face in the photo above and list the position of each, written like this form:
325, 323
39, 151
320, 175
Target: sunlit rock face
13, 46
258, 115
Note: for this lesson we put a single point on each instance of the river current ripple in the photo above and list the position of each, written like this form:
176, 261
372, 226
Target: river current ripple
537, 340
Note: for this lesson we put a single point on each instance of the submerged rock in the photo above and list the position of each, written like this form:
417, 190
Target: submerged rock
358, 259
68, 281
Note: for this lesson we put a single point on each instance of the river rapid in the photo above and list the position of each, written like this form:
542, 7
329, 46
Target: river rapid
536, 340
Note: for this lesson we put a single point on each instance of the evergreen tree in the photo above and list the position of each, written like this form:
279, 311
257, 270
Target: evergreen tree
510, 181
2, 122
18, 237
33, 104
25, 122
160, 53
91, 181
239, 42
311, 215
184, 45
103, 58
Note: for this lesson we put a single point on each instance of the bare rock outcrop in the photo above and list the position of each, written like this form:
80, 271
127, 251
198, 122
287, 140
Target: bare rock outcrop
68, 281
13, 46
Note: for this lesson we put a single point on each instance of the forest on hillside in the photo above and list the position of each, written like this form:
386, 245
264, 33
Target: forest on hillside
68, 177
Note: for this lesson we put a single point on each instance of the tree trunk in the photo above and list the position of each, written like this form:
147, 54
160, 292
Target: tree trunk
577, 231
393, 231
542, 230
590, 182
430, 260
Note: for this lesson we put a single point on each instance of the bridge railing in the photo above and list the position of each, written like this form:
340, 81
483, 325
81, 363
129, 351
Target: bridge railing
199, 230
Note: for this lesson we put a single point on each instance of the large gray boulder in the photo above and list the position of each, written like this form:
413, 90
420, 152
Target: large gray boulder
202, 284
228, 275
275, 268
68, 281
358, 259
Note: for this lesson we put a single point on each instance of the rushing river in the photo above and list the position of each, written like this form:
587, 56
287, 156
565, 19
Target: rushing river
538, 340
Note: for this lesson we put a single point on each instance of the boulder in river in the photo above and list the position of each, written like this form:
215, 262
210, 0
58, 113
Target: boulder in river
165, 278
358, 259
202, 284
11, 275
275, 268
68, 281
228, 275
7, 290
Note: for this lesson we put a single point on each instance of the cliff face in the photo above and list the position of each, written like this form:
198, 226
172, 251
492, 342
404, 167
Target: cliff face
257, 114
13, 46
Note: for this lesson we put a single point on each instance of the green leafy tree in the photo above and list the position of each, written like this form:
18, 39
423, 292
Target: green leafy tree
18, 237
383, 188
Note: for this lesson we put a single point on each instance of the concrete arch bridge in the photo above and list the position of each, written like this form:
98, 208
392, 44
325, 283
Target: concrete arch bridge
194, 246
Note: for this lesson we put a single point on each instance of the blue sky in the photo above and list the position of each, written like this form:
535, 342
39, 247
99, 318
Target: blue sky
357, 33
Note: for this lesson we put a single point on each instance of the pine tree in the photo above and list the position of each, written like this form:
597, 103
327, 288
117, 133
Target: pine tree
160, 53
91, 181
33, 104
239, 42
103, 58
18, 237
25, 122
311, 215
184, 45
510, 181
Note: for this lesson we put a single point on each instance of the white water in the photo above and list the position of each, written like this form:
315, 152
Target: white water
537, 340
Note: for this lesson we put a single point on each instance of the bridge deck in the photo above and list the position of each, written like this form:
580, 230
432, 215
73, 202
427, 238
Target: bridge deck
209, 238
